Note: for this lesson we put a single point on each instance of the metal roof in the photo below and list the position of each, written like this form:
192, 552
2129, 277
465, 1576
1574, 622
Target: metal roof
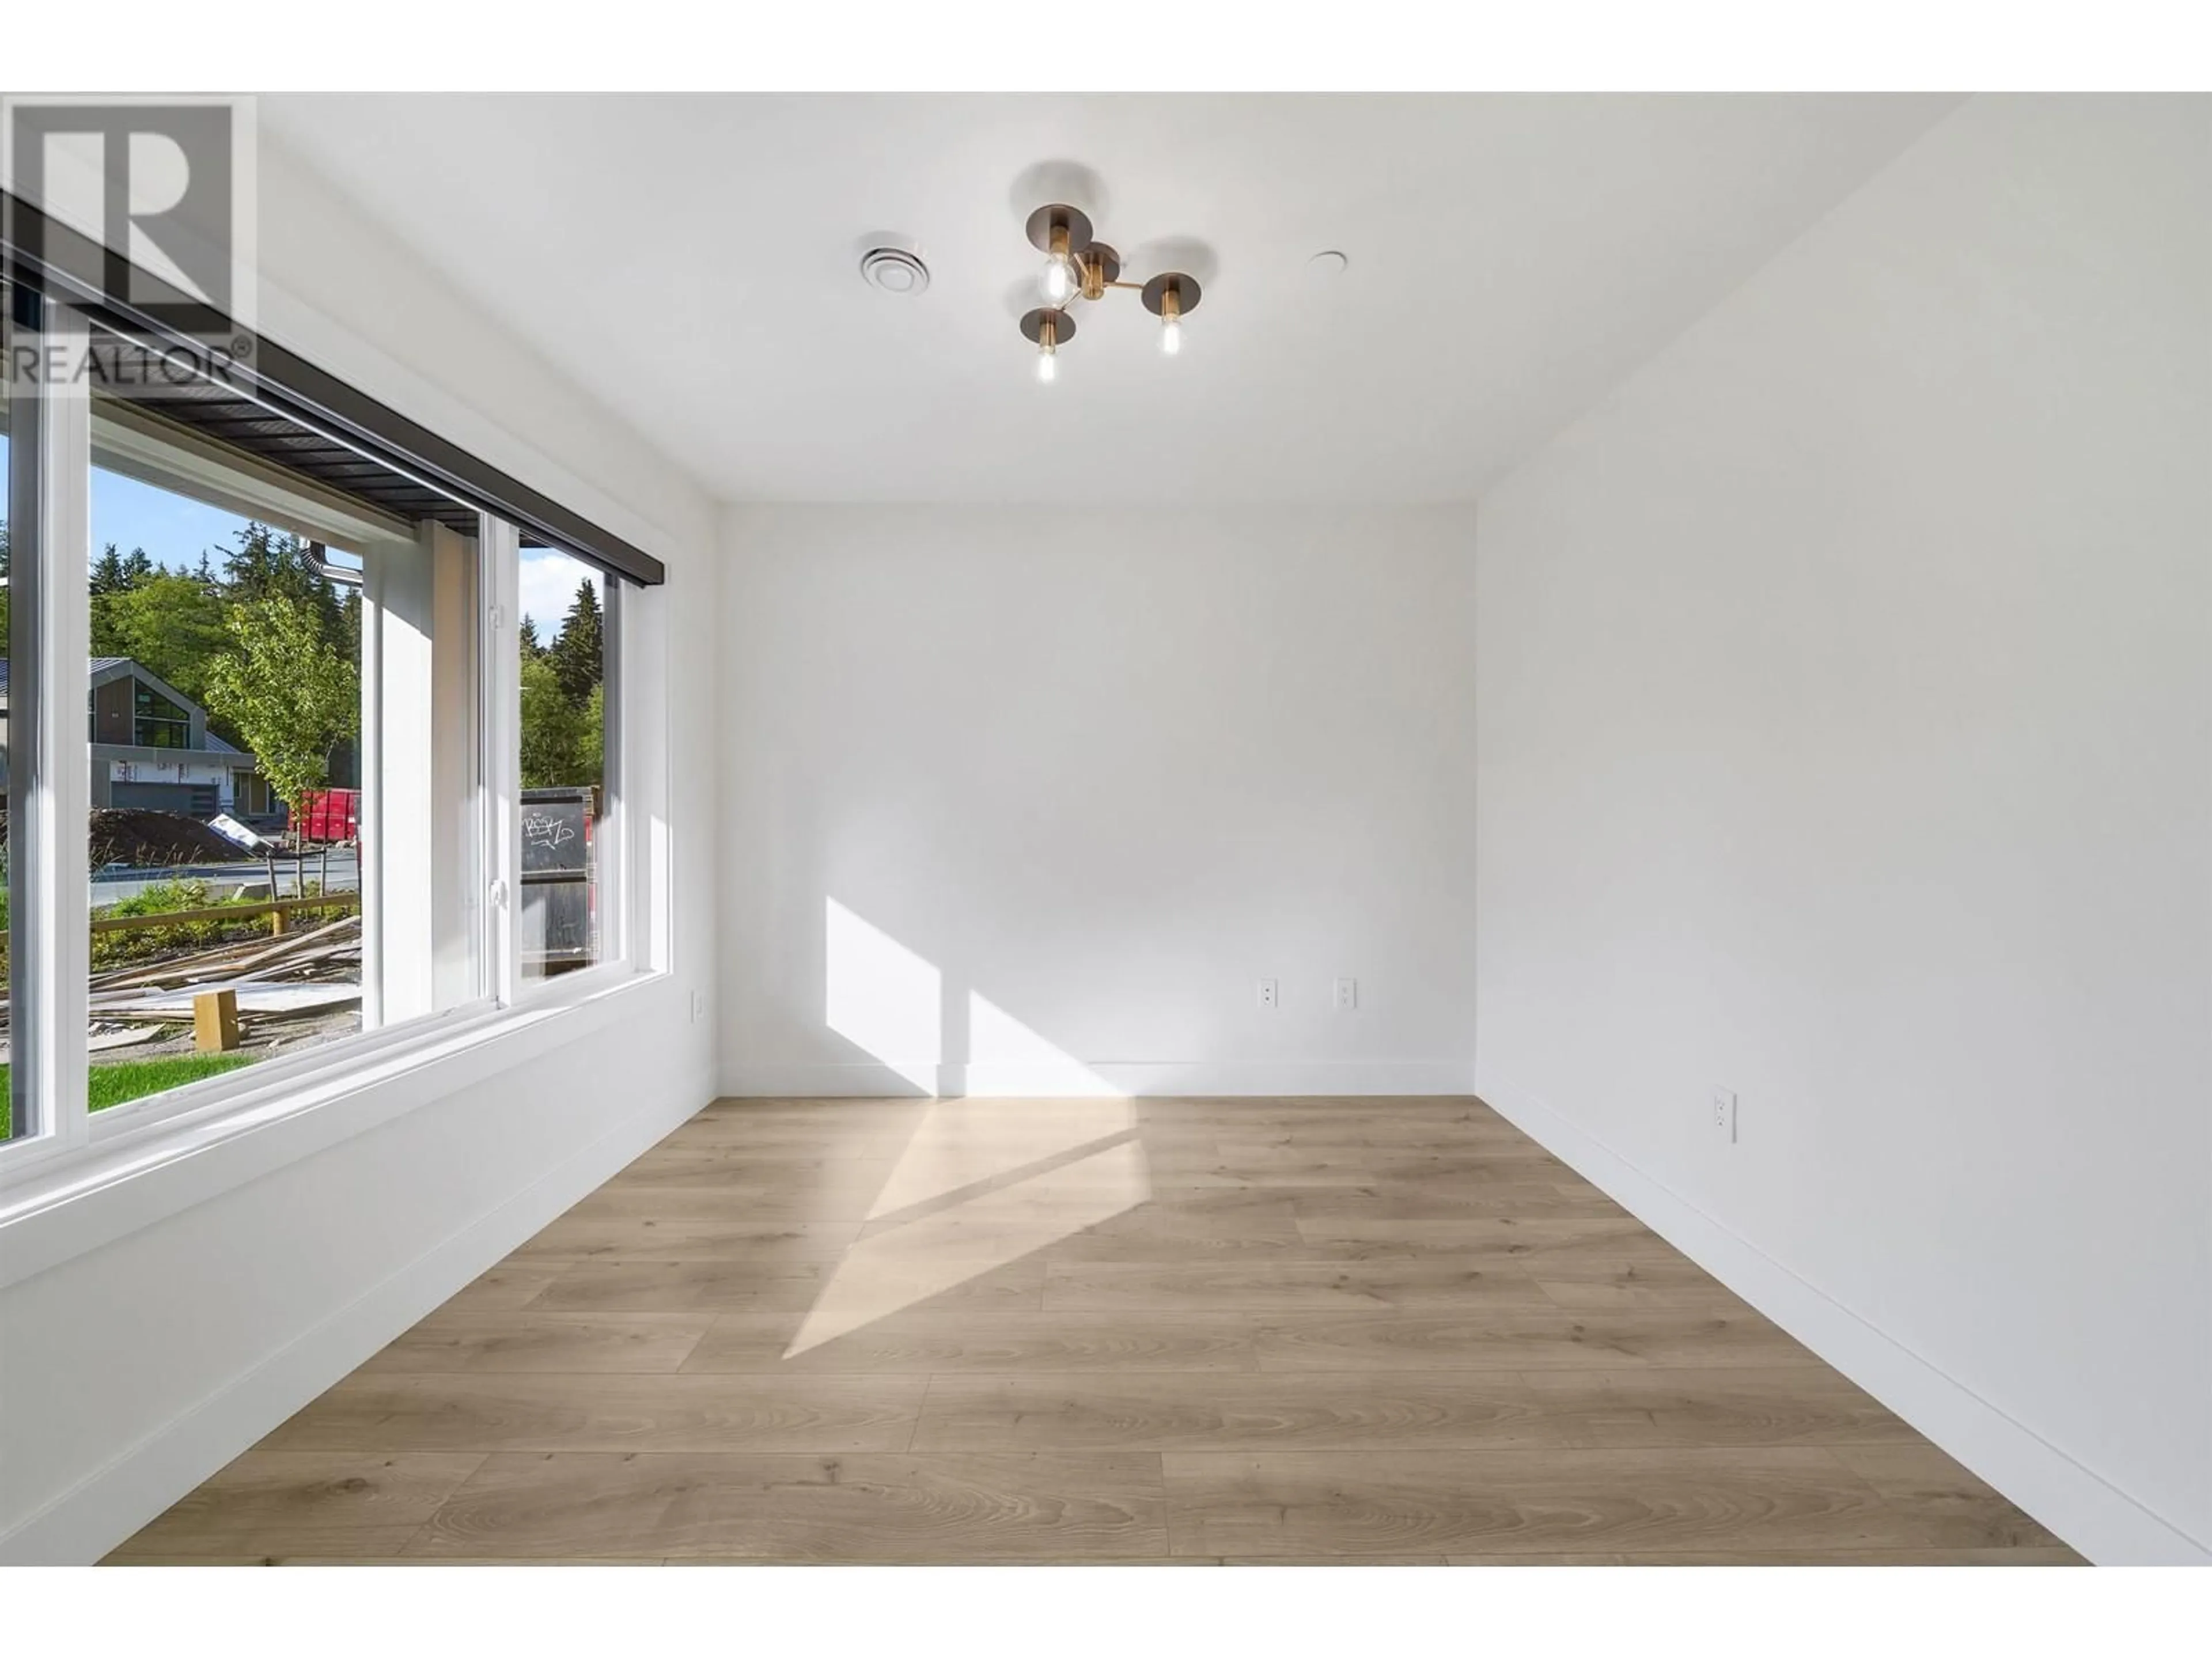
93, 668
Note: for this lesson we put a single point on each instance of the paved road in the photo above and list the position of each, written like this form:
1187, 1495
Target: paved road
112, 886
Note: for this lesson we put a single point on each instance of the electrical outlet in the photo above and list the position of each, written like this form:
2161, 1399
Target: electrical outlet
1347, 995
1724, 1115
698, 1006
1270, 997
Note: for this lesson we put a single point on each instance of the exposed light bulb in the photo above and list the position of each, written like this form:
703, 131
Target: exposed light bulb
1058, 280
1046, 372
1171, 335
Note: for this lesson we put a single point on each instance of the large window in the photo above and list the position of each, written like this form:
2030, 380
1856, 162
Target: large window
156, 722
326, 785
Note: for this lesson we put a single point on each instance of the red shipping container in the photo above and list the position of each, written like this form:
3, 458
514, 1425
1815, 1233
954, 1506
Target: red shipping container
331, 815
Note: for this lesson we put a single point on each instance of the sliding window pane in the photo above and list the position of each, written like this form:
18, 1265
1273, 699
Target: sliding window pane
283, 744
566, 920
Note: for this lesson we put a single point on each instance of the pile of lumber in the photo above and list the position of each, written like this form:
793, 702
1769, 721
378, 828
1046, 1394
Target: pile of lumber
280, 987
301, 978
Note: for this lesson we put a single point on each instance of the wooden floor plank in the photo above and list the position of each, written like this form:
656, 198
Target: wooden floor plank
277, 1501
1423, 1340
1774, 1498
886, 1282
1445, 1200
523, 1341
687, 1238
1311, 1279
1452, 1410
600, 1412
1057, 1505
958, 1340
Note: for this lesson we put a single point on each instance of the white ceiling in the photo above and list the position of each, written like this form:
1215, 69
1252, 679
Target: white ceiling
1512, 257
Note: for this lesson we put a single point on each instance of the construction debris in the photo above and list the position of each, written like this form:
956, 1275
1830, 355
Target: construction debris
139, 837
303, 987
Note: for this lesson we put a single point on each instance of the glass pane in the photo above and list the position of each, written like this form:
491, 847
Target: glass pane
565, 918
283, 744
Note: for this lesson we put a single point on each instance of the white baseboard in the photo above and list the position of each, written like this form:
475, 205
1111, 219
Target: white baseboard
1107, 1078
2091, 1514
83, 1523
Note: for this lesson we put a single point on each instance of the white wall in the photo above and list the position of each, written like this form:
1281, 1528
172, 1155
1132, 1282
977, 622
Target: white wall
130, 1372
1845, 738
1103, 769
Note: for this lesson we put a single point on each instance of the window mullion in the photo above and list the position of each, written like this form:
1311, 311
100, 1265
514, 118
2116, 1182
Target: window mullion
503, 757
614, 777
53, 426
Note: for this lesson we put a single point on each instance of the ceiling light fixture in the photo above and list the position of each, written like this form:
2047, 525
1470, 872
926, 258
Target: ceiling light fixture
1078, 266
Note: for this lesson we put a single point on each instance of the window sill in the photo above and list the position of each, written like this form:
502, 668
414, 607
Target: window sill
107, 1191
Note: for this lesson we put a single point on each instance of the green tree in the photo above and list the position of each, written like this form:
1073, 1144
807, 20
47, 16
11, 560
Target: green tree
591, 747
289, 692
552, 729
526, 638
110, 573
575, 651
169, 623
270, 564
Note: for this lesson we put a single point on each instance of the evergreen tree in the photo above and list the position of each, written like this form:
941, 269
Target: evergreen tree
526, 638
109, 574
271, 564
576, 651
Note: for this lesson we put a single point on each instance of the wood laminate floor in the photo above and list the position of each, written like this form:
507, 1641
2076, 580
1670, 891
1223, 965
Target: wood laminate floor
1192, 1331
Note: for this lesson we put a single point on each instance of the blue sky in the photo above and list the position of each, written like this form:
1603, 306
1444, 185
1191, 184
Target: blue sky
174, 530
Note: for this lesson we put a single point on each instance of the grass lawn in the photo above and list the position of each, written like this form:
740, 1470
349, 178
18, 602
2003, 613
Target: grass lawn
113, 1083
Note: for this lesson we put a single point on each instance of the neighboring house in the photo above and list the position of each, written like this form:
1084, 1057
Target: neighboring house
151, 748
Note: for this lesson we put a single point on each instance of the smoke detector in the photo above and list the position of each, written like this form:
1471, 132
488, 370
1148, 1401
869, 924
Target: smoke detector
894, 270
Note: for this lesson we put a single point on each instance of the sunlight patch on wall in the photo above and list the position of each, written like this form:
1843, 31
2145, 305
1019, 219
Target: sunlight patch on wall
1005, 1057
881, 996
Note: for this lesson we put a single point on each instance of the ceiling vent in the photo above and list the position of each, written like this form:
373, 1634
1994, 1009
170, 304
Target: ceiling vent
894, 270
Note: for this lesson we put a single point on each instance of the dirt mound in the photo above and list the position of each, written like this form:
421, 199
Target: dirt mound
125, 834
128, 835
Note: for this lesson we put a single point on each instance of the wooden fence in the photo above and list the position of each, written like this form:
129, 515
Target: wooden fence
275, 909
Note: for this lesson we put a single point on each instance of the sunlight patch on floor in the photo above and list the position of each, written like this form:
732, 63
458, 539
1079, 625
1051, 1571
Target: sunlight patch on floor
910, 1263
963, 1143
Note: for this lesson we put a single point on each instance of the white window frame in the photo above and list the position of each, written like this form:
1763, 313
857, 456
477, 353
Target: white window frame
49, 434
48, 988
